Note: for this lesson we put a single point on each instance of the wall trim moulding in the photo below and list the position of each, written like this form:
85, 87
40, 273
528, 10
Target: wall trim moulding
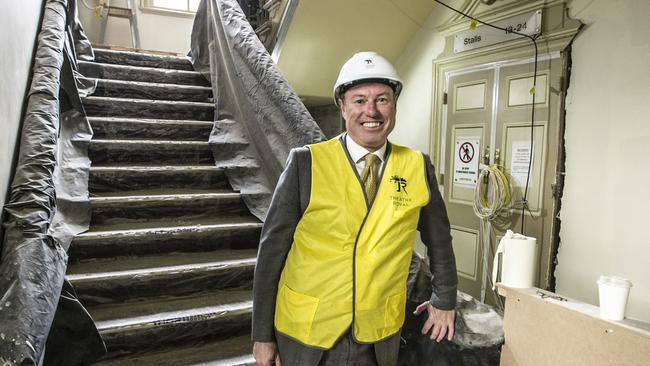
493, 13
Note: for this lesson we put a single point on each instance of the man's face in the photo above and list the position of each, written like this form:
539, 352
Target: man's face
369, 112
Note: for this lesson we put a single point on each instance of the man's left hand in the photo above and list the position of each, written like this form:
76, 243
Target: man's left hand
440, 322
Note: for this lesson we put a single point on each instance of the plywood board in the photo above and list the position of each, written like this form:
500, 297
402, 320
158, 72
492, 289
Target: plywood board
547, 331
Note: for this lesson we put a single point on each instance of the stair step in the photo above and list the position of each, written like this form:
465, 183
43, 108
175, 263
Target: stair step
126, 178
139, 326
147, 206
235, 351
228, 234
146, 90
149, 152
137, 73
147, 108
143, 59
174, 274
137, 128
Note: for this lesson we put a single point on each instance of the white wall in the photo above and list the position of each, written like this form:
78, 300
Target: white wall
415, 66
605, 219
158, 32
19, 25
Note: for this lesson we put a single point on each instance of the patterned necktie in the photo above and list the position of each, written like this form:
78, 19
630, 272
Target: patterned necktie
369, 175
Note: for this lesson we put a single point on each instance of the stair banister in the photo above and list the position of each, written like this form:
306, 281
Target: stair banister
255, 106
46, 207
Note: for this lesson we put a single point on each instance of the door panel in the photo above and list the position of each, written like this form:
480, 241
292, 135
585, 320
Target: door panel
514, 126
466, 249
470, 114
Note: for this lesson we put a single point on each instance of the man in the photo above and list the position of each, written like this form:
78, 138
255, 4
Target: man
330, 281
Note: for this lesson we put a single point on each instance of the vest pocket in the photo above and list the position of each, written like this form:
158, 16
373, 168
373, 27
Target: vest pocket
294, 313
394, 314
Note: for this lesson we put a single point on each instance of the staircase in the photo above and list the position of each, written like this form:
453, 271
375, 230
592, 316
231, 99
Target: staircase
166, 268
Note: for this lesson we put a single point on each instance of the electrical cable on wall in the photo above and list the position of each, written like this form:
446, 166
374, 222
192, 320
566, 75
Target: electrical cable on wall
488, 205
96, 9
500, 193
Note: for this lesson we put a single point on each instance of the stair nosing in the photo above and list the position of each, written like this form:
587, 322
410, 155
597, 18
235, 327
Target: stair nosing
142, 68
118, 120
239, 360
150, 101
94, 235
157, 271
154, 168
106, 141
163, 197
171, 316
244, 357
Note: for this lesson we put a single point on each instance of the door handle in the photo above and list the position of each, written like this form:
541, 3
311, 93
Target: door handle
486, 155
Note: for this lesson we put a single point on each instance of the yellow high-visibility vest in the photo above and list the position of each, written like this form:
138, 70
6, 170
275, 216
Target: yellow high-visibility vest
348, 264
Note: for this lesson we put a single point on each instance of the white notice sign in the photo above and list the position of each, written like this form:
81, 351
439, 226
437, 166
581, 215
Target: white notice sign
519, 163
467, 155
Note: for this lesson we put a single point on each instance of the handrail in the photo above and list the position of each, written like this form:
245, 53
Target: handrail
273, 20
258, 116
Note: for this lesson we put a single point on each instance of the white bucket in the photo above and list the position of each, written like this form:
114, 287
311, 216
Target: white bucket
612, 295
518, 261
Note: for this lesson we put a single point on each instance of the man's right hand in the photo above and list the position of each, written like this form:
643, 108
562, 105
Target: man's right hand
266, 354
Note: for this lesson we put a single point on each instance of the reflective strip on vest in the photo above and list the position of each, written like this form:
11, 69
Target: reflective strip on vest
348, 265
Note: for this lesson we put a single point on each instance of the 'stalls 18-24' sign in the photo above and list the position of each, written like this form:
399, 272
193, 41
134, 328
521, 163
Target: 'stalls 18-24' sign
483, 35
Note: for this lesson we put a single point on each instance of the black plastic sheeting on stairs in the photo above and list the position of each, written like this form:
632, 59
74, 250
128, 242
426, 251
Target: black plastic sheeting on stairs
166, 266
48, 203
255, 106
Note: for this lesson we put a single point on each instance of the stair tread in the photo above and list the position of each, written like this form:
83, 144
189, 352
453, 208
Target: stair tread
158, 264
142, 68
99, 49
161, 193
151, 121
149, 84
153, 168
228, 352
166, 309
157, 197
106, 141
163, 226
149, 101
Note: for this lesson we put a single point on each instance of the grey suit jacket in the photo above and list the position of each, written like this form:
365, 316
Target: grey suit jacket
289, 202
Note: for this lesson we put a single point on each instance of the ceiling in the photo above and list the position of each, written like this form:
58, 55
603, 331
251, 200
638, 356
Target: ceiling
323, 34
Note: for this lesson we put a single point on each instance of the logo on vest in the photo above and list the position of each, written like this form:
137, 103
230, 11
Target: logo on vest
400, 183
400, 201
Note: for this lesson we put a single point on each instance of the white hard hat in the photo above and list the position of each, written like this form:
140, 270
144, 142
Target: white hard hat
366, 67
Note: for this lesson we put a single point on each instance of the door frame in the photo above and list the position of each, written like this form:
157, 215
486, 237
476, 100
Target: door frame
558, 31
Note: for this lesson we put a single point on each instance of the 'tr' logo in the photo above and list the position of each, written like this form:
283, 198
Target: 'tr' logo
400, 183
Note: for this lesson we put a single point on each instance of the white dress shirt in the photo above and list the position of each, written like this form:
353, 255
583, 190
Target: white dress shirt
357, 152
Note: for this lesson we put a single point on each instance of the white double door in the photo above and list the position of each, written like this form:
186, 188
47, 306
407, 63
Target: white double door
487, 119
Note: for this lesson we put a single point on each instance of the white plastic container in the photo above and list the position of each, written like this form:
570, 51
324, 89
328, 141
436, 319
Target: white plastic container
612, 295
